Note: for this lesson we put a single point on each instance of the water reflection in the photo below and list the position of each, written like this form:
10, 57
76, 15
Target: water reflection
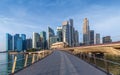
3, 63
6, 62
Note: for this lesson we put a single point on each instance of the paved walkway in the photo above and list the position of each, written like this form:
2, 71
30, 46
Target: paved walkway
61, 63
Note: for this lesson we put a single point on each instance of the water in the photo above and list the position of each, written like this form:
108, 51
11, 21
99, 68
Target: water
6, 62
3, 67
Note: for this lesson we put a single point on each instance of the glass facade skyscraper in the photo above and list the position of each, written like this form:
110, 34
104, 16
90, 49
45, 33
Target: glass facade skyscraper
50, 34
36, 40
86, 32
19, 44
59, 34
23, 36
28, 43
97, 38
91, 37
16, 36
9, 42
65, 26
43, 39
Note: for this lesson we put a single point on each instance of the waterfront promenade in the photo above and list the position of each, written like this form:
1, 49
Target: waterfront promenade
61, 63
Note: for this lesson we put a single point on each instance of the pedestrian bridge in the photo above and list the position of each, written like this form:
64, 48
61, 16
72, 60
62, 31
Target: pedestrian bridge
61, 63
110, 49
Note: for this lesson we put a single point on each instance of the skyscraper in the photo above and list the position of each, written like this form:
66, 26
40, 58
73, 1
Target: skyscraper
86, 32
65, 26
36, 40
53, 39
19, 44
97, 38
9, 42
71, 32
43, 39
50, 34
16, 37
107, 39
59, 34
91, 37
23, 36
76, 38
28, 43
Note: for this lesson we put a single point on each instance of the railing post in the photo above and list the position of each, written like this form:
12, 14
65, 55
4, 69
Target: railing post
81, 55
26, 59
14, 64
106, 65
37, 56
33, 58
94, 59
88, 58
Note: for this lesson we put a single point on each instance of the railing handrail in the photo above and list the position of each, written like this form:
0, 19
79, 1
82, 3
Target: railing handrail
108, 61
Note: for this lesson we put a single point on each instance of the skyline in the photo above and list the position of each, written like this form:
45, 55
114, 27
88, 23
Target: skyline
23, 16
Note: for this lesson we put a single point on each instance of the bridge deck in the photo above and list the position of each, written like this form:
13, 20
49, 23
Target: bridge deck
61, 63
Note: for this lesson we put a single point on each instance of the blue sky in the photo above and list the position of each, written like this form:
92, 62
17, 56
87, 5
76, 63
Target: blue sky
27, 16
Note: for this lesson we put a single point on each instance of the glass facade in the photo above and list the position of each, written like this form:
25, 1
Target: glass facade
9, 42
59, 34
23, 36
50, 34
43, 39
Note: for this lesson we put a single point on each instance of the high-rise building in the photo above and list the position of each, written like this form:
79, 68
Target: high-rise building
91, 37
43, 40
107, 39
65, 26
23, 36
9, 42
76, 38
16, 37
53, 39
36, 40
59, 34
97, 38
86, 32
50, 34
28, 43
19, 44
71, 31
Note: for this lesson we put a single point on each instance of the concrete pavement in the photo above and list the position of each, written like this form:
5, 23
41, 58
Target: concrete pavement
61, 63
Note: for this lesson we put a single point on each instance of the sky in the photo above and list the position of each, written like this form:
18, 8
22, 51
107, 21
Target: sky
27, 16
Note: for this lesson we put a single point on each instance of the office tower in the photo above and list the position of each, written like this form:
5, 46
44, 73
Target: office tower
19, 44
107, 39
23, 36
53, 39
91, 37
71, 32
9, 42
76, 38
36, 40
59, 34
43, 40
16, 36
50, 34
28, 43
65, 26
86, 33
97, 38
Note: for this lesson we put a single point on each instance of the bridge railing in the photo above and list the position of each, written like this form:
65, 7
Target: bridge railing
28, 59
110, 67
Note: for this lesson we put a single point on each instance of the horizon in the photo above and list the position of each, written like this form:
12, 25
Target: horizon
23, 16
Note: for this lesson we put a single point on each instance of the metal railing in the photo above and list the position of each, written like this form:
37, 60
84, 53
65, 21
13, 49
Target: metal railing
109, 67
28, 59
